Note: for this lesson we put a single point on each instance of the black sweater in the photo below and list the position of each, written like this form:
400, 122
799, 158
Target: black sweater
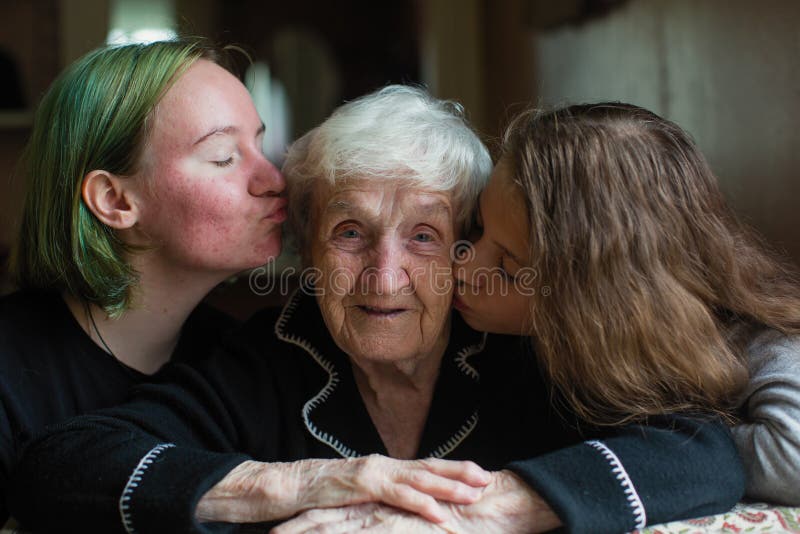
50, 370
284, 391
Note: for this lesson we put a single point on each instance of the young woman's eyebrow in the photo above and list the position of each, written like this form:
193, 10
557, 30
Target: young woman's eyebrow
510, 254
499, 245
228, 130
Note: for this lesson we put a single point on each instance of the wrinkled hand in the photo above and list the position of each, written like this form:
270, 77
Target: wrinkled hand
507, 505
256, 491
367, 518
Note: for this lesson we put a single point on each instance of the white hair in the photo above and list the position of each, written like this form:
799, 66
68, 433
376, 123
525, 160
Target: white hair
398, 132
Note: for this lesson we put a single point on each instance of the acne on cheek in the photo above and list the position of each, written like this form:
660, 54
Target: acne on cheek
204, 221
200, 236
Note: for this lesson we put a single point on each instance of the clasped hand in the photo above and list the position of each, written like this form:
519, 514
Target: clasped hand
256, 491
506, 505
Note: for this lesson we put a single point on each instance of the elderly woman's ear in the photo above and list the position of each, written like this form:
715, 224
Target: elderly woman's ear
110, 198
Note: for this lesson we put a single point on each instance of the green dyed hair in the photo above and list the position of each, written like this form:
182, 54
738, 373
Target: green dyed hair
95, 115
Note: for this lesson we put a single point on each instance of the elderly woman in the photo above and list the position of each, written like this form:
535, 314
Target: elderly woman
367, 358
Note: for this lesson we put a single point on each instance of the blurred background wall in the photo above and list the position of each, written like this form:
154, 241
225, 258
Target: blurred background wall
728, 71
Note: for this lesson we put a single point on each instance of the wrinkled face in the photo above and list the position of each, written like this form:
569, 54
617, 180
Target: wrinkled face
210, 197
494, 282
383, 254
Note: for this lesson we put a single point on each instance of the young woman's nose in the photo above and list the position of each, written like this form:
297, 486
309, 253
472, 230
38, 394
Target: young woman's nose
267, 180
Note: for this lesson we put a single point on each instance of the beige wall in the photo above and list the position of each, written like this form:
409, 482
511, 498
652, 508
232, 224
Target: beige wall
728, 71
452, 53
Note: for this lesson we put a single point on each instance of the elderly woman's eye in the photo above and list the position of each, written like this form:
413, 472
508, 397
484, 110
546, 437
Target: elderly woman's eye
424, 237
350, 234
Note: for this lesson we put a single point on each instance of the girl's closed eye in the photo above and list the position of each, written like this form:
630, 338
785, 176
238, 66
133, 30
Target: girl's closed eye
224, 163
509, 267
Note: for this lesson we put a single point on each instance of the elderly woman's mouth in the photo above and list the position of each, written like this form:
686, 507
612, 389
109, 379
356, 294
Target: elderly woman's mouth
377, 311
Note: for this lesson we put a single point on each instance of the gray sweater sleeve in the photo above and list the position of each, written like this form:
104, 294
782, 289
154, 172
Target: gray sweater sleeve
769, 437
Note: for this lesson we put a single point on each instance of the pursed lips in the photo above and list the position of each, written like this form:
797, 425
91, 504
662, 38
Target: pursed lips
278, 209
459, 304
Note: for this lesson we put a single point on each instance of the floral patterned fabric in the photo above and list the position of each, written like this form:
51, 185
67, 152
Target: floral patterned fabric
744, 517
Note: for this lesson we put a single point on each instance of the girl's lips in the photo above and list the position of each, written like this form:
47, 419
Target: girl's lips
459, 304
278, 213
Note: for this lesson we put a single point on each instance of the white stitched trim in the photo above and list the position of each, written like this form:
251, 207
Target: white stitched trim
465, 430
333, 379
465, 353
325, 392
133, 482
286, 312
627, 484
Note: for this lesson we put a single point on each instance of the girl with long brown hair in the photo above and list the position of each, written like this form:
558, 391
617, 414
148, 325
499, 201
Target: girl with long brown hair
641, 292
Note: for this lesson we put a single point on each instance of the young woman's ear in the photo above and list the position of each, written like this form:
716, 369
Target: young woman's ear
108, 197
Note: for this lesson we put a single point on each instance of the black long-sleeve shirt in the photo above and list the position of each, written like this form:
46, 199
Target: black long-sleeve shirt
283, 391
50, 370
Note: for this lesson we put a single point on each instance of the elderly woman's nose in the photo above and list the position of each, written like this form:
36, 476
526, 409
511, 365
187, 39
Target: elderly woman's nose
388, 272
390, 281
266, 180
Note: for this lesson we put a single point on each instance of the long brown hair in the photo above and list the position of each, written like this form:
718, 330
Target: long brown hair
652, 279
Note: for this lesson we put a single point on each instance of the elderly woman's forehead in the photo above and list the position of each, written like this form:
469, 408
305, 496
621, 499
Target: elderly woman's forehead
370, 195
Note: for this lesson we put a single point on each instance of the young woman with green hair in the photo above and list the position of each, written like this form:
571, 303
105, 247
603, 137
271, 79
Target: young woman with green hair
147, 186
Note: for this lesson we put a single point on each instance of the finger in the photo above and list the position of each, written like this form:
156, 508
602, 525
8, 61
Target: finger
467, 472
343, 527
310, 519
404, 525
441, 488
382, 528
342, 519
407, 498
